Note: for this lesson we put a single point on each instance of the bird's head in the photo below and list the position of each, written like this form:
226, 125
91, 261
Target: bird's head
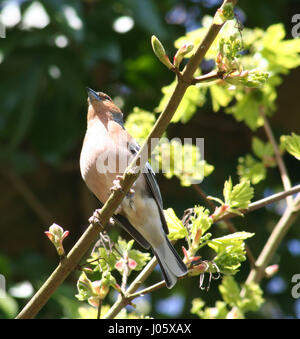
101, 105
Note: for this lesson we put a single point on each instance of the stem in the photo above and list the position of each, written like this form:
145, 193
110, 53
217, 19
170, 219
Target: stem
125, 275
281, 165
99, 309
289, 216
211, 76
264, 202
147, 290
122, 300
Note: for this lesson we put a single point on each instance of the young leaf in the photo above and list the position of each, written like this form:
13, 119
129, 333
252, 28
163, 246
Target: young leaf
238, 196
261, 149
230, 251
291, 143
194, 97
201, 221
176, 228
250, 169
140, 258
230, 291
139, 123
160, 52
253, 298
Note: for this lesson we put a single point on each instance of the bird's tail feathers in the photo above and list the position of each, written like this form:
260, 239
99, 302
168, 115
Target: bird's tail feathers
170, 263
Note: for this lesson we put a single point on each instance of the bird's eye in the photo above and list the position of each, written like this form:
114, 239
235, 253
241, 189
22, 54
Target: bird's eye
106, 97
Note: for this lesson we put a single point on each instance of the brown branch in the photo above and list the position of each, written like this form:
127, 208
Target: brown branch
289, 216
264, 202
122, 300
278, 233
281, 165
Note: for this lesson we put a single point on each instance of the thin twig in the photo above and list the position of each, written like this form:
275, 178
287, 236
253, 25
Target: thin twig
289, 216
122, 301
264, 202
125, 275
281, 165
211, 76
99, 309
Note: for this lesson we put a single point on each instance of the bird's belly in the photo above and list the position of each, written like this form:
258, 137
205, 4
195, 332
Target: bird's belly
99, 169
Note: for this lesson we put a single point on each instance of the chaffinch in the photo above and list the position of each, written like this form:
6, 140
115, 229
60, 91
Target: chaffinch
107, 150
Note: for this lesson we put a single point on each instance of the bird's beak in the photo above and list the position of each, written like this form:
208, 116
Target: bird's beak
93, 95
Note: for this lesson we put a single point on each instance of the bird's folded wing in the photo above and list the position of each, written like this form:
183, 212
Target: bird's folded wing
153, 186
126, 225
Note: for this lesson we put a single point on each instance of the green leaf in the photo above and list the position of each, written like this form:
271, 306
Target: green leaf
201, 221
197, 307
220, 96
250, 169
230, 251
261, 149
8, 307
103, 259
282, 54
251, 301
291, 143
176, 228
194, 97
247, 109
139, 123
220, 310
230, 291
180, 160
140, 258
238, 196
84, 287
253, 297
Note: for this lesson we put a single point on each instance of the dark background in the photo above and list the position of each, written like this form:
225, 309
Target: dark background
44, 72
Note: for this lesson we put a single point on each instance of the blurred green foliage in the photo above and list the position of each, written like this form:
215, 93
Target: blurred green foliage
44, 70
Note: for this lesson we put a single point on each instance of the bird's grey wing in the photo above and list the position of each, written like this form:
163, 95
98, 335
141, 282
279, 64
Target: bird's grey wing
126, 225
152, 185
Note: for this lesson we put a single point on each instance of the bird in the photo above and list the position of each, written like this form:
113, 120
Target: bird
106, 151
